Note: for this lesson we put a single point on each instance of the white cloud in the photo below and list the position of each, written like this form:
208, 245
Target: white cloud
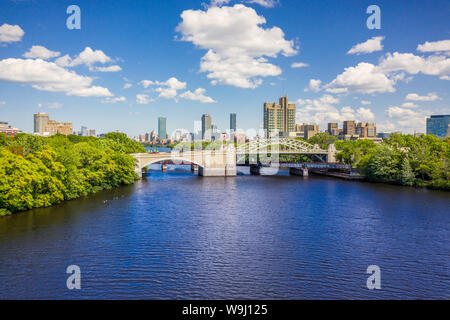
47, 76
40, 52
405, 119
371, 45
364, 102
410, 105
264, 3
219, 3
299, 65
143, 99
114, 100
167, 89
445, 78
9, 33
324, 110
436, 46
87, 57
236, 44
114, 68
416, 97
127, 85
314, 85
197, 95
2, 102
432, 65
364, 78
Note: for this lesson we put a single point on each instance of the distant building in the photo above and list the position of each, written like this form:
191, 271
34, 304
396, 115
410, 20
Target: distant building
8, 130
366, 130
40, 121
279, 119
349, 127
439, 126
206, 127
84, 131
310, 130
383, 135
333, 128
162, 131
46, 127
232, 123
53, 127
240, 138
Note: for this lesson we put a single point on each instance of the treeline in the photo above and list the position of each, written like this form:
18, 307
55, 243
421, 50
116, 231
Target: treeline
402, 159
44, 171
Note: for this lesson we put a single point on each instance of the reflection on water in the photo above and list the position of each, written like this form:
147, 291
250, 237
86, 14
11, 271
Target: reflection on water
176, 235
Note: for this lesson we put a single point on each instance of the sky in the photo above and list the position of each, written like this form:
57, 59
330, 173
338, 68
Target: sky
134, 61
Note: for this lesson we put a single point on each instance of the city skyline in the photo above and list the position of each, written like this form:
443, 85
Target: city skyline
396, 76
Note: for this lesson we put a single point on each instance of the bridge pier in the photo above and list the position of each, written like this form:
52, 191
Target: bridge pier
163, 167
303, 172
194, 168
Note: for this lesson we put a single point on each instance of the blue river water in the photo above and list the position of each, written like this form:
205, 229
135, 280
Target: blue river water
174, 235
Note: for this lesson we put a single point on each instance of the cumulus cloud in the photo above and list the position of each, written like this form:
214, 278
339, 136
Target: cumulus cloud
236, 43
114, 68
87, 57
445, 78
9, 33
166, 89
314, 85
371, 45
264, 3
364, 78
114, 100
364, 102
127, 85
143, 99
41, 52
197, 95
436, 46
299, 65
416, 97
408, 62
410, 105
405, 119
48, 76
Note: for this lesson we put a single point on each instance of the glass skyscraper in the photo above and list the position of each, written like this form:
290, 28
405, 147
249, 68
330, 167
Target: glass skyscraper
233, 122
439, 126
206, 127
162, 131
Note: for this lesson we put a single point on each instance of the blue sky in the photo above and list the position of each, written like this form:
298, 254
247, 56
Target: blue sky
228, 56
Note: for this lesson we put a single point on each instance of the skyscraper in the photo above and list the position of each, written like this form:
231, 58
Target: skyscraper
232, 123
206, 127
349, 127
40, 122
333, 128
162, 131
439, 126
279, 119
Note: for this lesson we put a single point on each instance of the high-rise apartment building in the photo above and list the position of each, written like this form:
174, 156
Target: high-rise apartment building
279, 118
232, 123
206, 127
439, 126
349, 127
162, 131
366, 130
310, 130
333, 128
40, 121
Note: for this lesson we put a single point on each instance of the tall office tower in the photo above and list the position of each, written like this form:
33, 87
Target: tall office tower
439, 126
349, 127
162, 132
232, 123
84, 131
40, 122
206, 127
333, 128
279, 118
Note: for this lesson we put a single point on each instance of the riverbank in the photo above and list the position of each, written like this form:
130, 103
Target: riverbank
43, 171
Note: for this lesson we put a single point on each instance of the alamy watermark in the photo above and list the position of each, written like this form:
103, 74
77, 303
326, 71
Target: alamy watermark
374, 280
74, 280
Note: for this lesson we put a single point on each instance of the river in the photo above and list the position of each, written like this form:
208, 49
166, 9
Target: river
174, 235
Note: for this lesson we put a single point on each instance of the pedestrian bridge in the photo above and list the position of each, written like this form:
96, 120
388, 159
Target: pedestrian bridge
222, 161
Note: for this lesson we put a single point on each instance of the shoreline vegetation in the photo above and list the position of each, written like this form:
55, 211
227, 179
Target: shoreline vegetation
44, 171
